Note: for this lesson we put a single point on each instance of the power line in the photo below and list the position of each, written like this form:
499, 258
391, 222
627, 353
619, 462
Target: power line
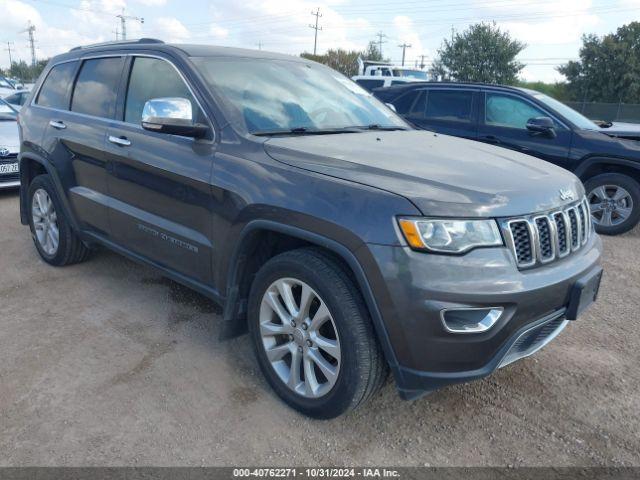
317, 14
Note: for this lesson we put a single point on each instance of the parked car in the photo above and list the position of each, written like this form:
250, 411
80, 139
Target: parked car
533, 123
9, 147
7, 86
345, 242
629, 131
17, 99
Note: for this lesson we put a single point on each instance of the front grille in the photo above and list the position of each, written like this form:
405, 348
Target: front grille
540, 239
533, 340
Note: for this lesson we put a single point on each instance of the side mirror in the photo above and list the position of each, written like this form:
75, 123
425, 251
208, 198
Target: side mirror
541, 126
173, 116
391, 106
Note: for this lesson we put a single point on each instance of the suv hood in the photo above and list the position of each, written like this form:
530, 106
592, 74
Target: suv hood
441, 175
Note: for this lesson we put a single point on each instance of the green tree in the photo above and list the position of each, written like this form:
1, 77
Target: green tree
373, 53
482, 53
608, 69
344, 61
556, 90
27, 72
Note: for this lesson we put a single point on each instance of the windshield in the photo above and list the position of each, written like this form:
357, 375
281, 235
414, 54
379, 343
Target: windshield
410, 73
266, 95
569, 113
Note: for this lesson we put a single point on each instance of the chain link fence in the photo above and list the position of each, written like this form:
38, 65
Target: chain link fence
608, 112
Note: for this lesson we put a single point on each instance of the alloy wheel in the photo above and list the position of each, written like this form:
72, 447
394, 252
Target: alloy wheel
610, 205
299, 337
45, 222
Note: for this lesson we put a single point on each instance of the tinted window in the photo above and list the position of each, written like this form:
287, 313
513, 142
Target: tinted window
370, 84
449, 105
97, 87
404, 102
56, 86
153, 78
508, 111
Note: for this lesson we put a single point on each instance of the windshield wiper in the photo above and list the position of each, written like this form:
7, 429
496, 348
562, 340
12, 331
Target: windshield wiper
306, 131
377, 126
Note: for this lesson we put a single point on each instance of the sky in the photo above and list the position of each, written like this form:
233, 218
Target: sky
552, 30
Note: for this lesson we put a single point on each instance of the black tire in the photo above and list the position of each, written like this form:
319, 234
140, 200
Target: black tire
70, 248
619, 180
363, 368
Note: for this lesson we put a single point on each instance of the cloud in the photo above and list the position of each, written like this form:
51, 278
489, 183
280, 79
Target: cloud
152, 3
174, 30
406, 33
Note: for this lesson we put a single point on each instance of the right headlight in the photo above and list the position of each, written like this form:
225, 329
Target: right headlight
450, 235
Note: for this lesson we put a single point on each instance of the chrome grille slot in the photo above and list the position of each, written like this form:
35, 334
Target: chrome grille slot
540, 239
523, 241
575, 228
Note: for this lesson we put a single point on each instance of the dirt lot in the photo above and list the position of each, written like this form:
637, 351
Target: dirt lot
107, 363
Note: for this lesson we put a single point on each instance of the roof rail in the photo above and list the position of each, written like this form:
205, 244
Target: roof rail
117, 42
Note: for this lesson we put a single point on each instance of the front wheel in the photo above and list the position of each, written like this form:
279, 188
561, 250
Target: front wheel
52, 234
313, 336
614, 200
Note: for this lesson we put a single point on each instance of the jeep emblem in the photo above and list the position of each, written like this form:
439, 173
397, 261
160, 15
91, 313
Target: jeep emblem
4, 152
566, 194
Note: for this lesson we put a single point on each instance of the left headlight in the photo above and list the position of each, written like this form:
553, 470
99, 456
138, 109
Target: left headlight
449, 235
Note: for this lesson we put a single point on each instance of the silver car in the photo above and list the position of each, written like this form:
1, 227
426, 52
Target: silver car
9, 147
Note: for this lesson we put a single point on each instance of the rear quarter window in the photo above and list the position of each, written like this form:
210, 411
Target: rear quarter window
55, 89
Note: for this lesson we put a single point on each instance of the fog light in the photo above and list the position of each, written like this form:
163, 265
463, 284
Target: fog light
470, 320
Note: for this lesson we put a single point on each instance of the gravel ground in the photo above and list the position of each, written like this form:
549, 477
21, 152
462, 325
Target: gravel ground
107, 363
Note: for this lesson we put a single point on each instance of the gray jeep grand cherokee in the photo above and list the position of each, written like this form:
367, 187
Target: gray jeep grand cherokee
347, 243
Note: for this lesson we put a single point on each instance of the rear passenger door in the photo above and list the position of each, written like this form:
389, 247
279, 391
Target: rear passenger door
75, 134
448, 111
160, 183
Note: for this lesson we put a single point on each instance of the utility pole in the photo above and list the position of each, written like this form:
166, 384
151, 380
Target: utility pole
317, 14
380, 36
123, 23
32, 41
404, 47
8, 49
422, 65
259, 44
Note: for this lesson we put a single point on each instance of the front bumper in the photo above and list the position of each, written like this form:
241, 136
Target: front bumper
419, 286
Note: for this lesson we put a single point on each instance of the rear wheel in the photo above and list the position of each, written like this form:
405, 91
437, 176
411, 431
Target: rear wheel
52, 235
614, 200
313, 337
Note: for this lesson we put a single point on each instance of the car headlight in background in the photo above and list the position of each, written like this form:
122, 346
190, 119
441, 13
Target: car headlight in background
450, 235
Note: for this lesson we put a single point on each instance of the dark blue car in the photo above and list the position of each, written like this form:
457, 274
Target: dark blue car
536, 124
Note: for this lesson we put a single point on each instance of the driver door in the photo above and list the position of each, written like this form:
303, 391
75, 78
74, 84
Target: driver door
503, 119
160, 183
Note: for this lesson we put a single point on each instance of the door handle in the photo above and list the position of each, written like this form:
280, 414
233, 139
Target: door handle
57, 124
490, 139
121, 141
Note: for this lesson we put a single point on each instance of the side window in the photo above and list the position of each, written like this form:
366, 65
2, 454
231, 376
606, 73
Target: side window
54, 90
154, 78
508, 111
97, 87
449, 105
370, 84
404, 103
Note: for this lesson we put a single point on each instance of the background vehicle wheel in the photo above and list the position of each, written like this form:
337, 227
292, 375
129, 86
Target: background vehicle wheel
614, 199
313, 336
56, 243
